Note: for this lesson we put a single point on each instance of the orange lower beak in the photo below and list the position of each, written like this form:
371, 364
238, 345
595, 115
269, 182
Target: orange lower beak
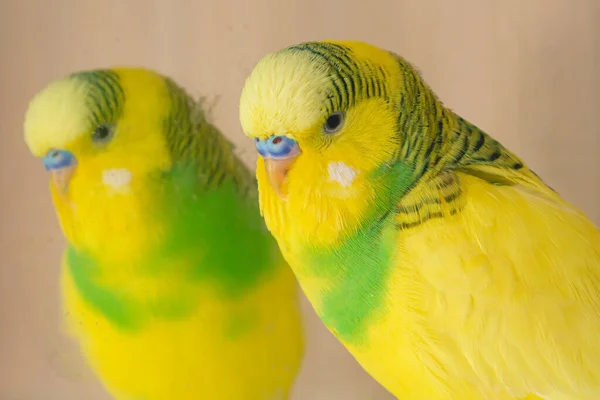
277, 170
61, 178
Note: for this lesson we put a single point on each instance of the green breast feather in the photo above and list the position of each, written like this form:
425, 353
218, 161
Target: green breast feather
220, 236
209, 212
359, 267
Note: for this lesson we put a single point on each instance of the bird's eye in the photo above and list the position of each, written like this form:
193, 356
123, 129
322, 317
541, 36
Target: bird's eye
102, 133
334, 122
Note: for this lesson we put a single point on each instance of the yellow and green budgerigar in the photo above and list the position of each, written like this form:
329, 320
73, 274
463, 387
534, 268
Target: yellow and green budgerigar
444, 264
172, 284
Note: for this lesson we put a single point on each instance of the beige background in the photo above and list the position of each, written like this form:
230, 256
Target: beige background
526, 71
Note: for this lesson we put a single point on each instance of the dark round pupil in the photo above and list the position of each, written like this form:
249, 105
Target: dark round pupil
101, 132
333, 121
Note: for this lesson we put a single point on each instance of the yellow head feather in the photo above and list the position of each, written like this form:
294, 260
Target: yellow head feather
108, 193
391, 119
292, 92
55, 119
65, 114
162, 307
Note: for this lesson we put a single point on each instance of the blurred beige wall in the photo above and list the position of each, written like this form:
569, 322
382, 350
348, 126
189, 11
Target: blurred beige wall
526, 71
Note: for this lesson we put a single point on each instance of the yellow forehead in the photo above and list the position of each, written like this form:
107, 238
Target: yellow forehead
284, 93
56, 116
74, 106
291, 90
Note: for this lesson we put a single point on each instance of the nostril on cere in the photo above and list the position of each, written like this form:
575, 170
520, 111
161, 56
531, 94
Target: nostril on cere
58, 159
281, 147
277, 147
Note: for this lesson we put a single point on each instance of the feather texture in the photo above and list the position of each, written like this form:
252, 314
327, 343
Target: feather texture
171, 283
447, 267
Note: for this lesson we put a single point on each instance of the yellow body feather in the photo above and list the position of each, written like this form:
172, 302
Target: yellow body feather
212, 344
193, 358
491, 290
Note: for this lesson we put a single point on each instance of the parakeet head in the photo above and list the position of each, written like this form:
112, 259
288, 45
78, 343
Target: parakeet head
108, 138
327, 118
103, 125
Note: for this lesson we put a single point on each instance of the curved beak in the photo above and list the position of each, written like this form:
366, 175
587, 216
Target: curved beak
277, 170
279, 154
61, 164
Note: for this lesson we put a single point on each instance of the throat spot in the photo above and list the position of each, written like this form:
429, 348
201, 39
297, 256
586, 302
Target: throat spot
341, 173
116, 178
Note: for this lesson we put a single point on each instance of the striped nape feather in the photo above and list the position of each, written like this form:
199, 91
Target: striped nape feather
74, 106
440, 197
104, 96
71, 107
294, 90
438, 143
431, 137
190, 138
193, 139
351, 81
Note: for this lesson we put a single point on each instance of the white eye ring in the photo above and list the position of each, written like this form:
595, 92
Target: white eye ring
334, 122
